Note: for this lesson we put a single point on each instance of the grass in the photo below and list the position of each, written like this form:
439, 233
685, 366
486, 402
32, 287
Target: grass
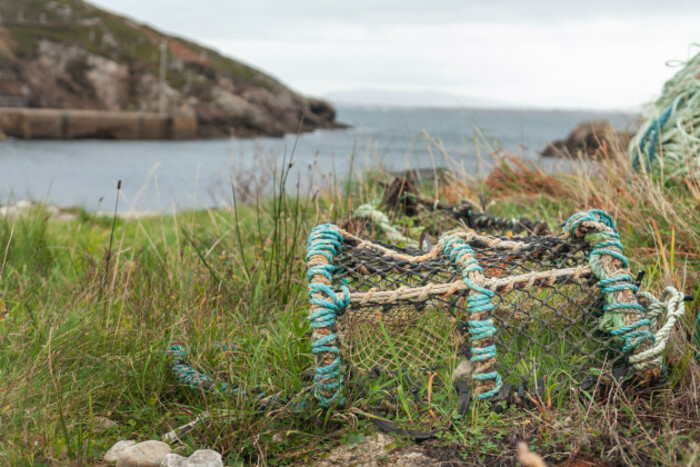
140, 43
80, 340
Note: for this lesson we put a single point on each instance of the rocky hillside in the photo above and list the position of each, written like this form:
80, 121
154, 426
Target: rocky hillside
71, 54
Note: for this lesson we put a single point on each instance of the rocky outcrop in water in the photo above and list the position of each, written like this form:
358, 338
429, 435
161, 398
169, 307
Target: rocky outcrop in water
590, 140
69, 54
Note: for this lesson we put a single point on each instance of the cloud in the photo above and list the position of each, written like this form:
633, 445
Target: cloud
595, 54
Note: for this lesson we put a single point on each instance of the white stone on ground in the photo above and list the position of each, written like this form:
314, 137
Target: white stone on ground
101, 424
205, 458
200, 458
463, 371
13, 211
112, 455
146, 454
173, 460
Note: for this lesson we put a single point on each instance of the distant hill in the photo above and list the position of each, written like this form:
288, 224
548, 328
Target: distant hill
71, 54
392, 98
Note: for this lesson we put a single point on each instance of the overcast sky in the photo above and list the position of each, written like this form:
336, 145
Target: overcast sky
535, 53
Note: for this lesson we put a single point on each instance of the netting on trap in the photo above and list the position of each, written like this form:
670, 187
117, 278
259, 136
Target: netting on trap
432, 217
495, 312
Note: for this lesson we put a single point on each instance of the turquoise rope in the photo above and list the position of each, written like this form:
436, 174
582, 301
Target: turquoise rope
669, 138
369, 212
194, 380
327, 241
188, 376
649, 141
629, 336
478, 301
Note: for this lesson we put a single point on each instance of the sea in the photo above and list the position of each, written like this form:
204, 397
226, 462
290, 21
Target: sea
179, 175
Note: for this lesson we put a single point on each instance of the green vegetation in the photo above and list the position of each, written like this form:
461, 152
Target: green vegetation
77, 23
84, 337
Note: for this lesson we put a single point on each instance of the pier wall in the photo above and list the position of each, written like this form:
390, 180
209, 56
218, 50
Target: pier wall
26, 123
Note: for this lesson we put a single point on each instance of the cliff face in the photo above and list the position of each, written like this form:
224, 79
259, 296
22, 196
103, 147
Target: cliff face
70, 54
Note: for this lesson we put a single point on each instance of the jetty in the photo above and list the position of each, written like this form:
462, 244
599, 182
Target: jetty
30, 123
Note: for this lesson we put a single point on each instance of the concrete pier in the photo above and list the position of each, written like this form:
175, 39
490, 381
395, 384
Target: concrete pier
25, 123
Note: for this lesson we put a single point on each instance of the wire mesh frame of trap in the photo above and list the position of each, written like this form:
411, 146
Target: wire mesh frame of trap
493, 310
403, 197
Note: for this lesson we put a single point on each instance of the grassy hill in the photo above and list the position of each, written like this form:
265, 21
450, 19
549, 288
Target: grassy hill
71, 54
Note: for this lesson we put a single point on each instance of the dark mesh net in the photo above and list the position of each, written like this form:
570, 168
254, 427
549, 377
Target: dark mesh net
404, 198
545, 310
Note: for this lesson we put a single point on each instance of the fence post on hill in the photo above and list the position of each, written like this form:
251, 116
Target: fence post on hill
161, 82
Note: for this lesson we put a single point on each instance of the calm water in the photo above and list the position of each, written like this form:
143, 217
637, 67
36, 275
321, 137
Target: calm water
163, 175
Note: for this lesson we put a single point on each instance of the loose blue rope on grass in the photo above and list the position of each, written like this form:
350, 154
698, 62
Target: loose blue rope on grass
188, 376
194, 380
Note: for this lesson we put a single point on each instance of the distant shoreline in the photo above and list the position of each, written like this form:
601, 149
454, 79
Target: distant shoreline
354, 105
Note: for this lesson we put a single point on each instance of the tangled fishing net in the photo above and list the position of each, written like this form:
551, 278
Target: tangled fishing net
494, 317
432, 217
669, 140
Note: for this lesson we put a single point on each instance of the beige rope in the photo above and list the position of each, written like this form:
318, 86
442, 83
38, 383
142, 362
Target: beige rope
500, 285
436, 251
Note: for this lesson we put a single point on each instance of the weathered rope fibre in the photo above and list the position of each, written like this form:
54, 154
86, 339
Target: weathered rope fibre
324, 243
404, 196
381, 221
668, 142
481, 324
625, 318
473, 219
188, 377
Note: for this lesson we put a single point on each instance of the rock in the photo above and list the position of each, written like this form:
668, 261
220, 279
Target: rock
200, 458
109, 80
555, 149
145, 454
591, 139
463, 371
173, 460
115, 67
205, 458
112, 456
527, 458
12, 211
101, 424
23, 204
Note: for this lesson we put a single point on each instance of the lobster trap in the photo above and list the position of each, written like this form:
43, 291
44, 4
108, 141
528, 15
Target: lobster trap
489, 315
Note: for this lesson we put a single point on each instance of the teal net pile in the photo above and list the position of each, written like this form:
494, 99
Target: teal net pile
668, 142
495, 316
